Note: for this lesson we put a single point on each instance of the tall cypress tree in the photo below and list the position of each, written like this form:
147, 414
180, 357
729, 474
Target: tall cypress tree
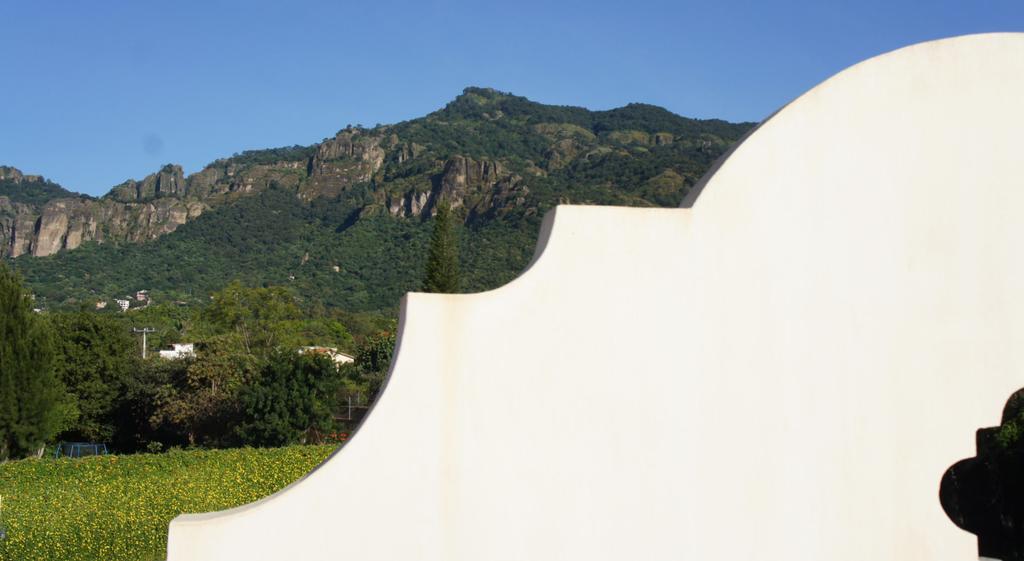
442, 274
34, 406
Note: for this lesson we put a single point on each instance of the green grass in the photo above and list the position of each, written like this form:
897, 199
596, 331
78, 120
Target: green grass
117, 508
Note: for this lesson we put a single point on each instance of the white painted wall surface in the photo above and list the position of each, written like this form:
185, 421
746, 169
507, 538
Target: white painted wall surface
798, 357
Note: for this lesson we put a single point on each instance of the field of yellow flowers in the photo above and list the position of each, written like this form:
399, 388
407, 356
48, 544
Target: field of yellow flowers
116, 508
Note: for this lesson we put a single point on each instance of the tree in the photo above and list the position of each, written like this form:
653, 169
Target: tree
315, 332
137, 408
201, 399
372, 360
442, 272
293, 395
95, 358
34, 406
255, 314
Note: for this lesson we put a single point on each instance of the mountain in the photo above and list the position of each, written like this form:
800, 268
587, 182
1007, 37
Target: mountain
345, 221
17, 187
40, 218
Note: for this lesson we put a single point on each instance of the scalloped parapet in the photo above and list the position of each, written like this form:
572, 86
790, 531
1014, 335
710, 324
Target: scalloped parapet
783, 371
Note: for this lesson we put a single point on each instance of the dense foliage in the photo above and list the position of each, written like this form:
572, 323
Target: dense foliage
96, 358
117, 508
442, 271
477, 103
242, 336
274, 239
269, 155
33, 192
33, 404
293, 396
372, 360
254, 316
199, 399
484, 123
248, 384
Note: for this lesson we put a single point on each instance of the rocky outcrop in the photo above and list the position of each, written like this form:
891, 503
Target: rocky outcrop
9, 173
411, 203
209, 181
14, 175
641, 138
482, 187
352, 156
464, 176
136, 211
406, 151
69, 222
52, 228
663, 138
225, 178
168, 182
561, 153
15, 218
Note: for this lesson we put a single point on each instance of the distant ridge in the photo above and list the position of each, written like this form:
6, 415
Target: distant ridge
500, 159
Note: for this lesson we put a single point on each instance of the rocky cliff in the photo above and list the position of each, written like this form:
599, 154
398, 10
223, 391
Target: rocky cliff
14, 175
67, 222
352, 156
136, 211
168, 182
483, 187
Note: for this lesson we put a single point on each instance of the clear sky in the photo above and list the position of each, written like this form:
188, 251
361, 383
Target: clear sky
96, 92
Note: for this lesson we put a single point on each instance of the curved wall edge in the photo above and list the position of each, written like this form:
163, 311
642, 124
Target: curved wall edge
783, 371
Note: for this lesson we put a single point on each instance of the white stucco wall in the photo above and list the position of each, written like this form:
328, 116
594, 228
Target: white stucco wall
798, 357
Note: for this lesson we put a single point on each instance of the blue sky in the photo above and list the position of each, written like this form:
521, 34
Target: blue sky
93, 93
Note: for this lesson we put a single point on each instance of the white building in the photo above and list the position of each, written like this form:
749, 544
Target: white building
179, 351
124, 304
339, 358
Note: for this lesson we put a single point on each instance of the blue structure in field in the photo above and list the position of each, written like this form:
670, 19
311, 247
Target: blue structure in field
80, 449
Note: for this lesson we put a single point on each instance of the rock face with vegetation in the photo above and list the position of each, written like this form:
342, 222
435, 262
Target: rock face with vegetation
40, 218
347, 218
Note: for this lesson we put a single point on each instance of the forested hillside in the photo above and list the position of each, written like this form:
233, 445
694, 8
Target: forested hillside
345, 222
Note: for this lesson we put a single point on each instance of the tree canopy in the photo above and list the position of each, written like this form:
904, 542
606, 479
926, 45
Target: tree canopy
293, 395
34, 405
95, 358
442, 271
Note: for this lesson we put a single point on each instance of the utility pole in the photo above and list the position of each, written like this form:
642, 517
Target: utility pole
143, 331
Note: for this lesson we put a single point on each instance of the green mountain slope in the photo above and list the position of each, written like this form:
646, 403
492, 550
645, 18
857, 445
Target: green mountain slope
346, 222
273, 238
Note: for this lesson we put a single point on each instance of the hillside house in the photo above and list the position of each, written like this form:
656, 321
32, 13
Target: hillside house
339, 358
179, 351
